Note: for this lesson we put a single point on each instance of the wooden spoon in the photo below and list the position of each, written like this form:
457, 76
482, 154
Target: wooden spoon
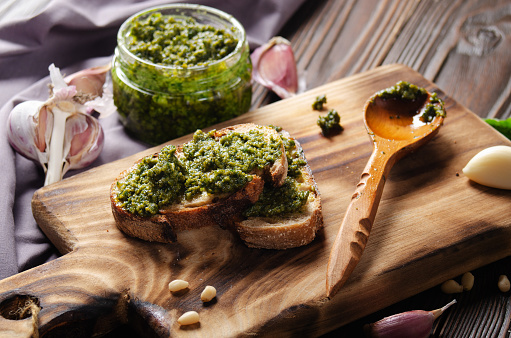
396, 128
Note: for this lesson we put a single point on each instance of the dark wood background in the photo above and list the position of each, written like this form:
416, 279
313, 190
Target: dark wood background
464, 46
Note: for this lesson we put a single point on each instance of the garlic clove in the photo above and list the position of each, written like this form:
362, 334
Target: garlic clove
86, 88
85, 140
43, 129
27, 130
89, 81
491, 167
274, 67
416, 323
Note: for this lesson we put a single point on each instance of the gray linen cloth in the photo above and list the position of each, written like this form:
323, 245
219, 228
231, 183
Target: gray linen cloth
77, 34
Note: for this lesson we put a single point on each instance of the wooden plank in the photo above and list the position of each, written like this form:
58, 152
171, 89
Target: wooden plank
432, 224
462, 45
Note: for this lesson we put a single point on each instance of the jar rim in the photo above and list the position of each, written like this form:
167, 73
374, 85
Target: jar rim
192, 7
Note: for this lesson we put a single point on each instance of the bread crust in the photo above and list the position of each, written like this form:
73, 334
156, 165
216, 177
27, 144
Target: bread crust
165, 226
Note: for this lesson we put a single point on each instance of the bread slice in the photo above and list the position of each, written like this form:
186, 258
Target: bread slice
227, 211
288, 230
204, 210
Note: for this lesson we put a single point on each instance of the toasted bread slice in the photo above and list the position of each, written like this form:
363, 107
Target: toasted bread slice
204, 210
165, 226
287, 230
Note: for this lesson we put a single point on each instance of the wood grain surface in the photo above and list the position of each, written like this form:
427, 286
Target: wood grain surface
433, 224
463, 46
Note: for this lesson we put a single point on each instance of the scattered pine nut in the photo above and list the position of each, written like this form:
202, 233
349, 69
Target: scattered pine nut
467, 281
208, 294
188, 318
178, 285
503, 283
451, 286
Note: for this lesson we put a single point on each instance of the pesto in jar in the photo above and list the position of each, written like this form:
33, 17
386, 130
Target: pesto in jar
173, 74
214, 166
173, 41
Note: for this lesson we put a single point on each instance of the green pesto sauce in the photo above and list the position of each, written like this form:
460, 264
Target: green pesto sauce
434, 107
179, 84
155, 181
288, 198
223, 166
208, 165
330, 123
173, 41
295, 159
319, 102
276, 201
403, 90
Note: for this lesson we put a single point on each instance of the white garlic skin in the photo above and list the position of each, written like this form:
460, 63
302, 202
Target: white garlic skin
491, 167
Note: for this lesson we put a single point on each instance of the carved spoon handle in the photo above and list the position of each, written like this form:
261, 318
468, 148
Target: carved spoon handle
352, 237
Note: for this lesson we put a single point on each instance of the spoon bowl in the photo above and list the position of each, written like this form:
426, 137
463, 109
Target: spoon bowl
397, 125
399, 120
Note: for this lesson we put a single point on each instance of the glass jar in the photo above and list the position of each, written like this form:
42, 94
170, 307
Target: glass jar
157, 103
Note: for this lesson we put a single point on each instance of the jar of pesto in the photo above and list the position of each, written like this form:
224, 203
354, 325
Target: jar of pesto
179, 68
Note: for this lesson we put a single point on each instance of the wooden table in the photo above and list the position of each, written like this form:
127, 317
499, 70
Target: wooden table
464, 46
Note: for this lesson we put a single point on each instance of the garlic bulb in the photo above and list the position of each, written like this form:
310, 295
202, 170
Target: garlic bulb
60, 134
274, 67
491, 167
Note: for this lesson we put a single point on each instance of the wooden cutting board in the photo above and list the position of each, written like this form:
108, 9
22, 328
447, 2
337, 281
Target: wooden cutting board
432, 224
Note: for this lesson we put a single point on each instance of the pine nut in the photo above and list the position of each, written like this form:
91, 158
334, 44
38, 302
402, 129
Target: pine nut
467, 280
188, 318
503, 283
178, 285
208, 294
451, 286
